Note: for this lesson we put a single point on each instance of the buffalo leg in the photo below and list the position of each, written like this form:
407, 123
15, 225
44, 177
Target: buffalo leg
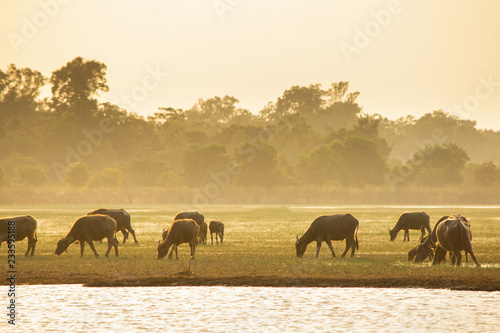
91, 244
439, 255
82, 248
407, 235
329, 243
212, 236
125, 235
192, 245
347, 247
30, 245
132, 231
458, 256
318, 247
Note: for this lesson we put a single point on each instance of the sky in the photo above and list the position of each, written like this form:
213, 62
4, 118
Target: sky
404, 57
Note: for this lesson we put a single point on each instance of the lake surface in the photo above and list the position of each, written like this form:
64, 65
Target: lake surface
74, 308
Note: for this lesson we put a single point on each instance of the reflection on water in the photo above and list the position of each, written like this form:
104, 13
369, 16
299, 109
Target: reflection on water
63, 308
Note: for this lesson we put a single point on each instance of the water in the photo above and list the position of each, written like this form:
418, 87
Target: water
64, 308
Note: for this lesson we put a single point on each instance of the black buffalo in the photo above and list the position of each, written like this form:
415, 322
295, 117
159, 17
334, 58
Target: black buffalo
181, 231
122, 219
327, 228
199, 218
24, 226
453, 235
217, 228
414, 220
426, 247
88, 229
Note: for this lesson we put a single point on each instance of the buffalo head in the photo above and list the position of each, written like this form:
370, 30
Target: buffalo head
300, 246
393, 233
62, 244
162, 249
423, 251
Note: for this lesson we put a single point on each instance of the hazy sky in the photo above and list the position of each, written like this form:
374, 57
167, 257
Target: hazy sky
405, 57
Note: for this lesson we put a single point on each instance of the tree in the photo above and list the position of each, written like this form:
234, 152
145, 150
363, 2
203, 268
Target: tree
31, 175
216, 110
202, 163
77, 174
76, 85
259, 165
447, 161
486, 174
352, 161
19, 92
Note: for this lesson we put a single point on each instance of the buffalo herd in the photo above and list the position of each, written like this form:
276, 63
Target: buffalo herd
451, 234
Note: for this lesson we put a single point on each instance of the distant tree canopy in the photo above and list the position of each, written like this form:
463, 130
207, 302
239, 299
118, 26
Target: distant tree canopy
309, 135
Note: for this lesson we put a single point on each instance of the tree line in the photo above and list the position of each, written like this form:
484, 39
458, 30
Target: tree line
309, 135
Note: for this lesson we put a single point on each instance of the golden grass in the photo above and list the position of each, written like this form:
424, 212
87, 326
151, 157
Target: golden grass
258, 250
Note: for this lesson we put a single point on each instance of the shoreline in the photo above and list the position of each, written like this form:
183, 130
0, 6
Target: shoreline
274, 281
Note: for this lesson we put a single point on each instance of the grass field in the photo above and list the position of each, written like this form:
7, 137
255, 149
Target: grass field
258, 250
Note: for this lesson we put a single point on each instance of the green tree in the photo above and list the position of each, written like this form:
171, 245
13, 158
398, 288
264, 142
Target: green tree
19, 92
202, 163
145, 170
259, 165
486, 174
109, 177
31, 175
216, 110
76, 85
77, 174
449, 158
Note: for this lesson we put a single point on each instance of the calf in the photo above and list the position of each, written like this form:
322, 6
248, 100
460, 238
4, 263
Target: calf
217, 228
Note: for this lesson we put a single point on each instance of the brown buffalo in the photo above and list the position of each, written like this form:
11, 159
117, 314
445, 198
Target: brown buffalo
453, 235
414, 220
199, 218
217, 228
412, 253
425, 248
327, 228
181, 231
122, 219
24, 226
88, 229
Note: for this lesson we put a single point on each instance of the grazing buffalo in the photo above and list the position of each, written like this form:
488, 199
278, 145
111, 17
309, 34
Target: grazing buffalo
181, 231
413, 252
24, 226
327, 228
122, 219
414, 220
88, 229
199, 219
426, 247
453, 235
217, 228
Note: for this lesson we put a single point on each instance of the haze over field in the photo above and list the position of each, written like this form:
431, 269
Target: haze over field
214, 101
405, 57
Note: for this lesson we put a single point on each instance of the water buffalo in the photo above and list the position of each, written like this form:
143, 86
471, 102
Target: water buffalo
25, 226
327, 228
426, 247
122, 219
88, 229
199, 219
412, 253
217, 228
453, 235
181, 231
414, 220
